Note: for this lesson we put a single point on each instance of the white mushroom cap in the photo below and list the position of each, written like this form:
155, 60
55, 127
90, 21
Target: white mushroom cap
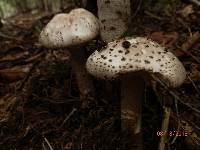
136, 54
77, 27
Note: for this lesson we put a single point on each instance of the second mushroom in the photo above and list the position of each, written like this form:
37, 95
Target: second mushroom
133, 60
72, 31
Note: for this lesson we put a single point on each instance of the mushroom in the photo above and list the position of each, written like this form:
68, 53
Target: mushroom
133, 60
72, 31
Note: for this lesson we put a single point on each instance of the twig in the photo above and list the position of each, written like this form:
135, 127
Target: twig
68, 116
193, 84
43, 146
164, 128
153, 15
178, 129
25, 79
186, 104
49, 145
137, 9
174, 95
9, 37
189, 129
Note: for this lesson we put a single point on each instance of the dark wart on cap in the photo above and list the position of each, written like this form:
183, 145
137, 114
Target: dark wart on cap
126, 44
152, 58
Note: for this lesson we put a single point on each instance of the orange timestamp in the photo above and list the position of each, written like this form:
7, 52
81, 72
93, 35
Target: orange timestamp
173, 133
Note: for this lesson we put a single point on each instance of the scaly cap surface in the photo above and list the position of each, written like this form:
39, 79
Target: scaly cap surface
136, 54
75, 28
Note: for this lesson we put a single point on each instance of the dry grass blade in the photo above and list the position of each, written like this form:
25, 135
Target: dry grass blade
192, 139
68, 116
196, 88
6, 103
49, 145
165, 124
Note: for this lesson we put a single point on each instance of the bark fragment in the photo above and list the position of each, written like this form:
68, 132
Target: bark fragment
114, 17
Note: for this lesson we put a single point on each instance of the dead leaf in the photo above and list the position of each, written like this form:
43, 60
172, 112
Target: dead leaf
190, 41
15, 73
186, 11
12, 57
6, 103
165, 39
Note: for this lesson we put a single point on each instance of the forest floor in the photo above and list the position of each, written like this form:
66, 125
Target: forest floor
40, 106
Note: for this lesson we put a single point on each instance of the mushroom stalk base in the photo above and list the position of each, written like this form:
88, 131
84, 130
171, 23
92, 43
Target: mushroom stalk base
84, 80
132, 88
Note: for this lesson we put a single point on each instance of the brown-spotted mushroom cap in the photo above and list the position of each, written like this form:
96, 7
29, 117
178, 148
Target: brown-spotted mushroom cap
136, 54
77, 27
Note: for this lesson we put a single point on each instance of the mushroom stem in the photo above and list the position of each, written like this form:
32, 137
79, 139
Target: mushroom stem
84, 80
132, 88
